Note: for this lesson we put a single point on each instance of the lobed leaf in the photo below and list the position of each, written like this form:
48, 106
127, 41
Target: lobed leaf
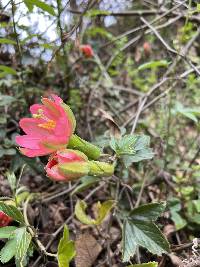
8, 251
148, 212
7, 231
139, 229
23, 240
132, 148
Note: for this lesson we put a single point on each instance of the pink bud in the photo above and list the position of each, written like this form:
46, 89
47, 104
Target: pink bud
66, 165
87, 50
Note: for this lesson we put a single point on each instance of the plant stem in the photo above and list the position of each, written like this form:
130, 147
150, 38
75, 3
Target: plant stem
39, 244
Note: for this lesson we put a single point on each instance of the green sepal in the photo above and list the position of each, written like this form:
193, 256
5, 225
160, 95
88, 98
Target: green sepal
92, 151
70, 115
102, 169
74, 170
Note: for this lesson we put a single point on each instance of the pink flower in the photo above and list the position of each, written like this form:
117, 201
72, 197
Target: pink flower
4, 219
50, 128
66, 165
87, 50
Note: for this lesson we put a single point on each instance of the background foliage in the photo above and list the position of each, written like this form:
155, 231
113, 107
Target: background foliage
144, 79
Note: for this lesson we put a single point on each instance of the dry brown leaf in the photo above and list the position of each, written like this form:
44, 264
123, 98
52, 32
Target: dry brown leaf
169, 230
114, 128
87, 250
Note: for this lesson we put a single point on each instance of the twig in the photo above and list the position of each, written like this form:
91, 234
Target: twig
40, 245
64, 192
94, 191
159, 36
145, 26
138, 13
66, 36
141, 105
141, 192
54, 235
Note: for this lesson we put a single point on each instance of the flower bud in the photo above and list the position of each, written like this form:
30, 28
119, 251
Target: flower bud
92, 151
67, 165
87, 50
102, 169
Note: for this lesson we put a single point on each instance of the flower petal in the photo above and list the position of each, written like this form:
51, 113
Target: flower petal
69, 155
57, 99
34, 152
55, 109
30, 126
54, 173
28, 141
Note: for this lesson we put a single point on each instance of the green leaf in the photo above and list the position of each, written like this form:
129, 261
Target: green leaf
80, 213
7, 232
8, 251
148, 212
132, 148
140, 230
149, 264
129, 242
153, 64
6, 100
12, 212
197, 204
66, 249
102, 210
29, 5
21, 197
11, 179
41, 5
7, 41
7, 70
145, 234
96, 12
125, 145
23, 240
47, 46
190, 113
86, 182
179, 222
198, 7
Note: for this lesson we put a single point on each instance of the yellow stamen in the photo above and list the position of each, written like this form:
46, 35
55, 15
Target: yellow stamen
49, 125
37, 116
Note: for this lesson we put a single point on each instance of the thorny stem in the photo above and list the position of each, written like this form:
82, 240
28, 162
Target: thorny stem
31, 231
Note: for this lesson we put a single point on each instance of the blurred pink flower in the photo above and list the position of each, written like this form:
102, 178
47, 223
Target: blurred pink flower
87, 50
66, 165
48, 130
